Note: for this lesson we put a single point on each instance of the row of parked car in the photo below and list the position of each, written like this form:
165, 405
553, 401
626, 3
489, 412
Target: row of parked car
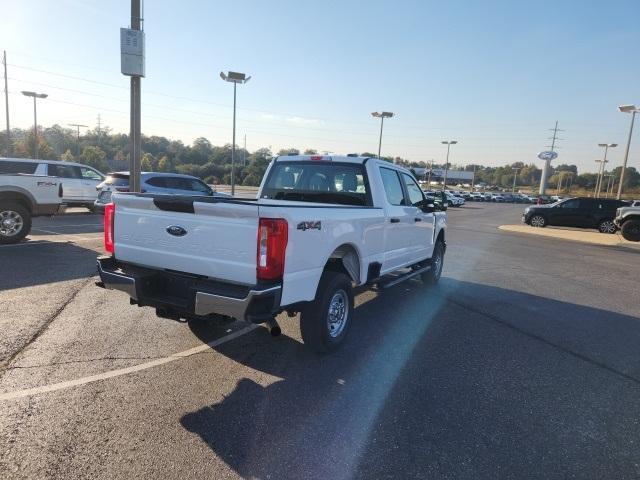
84, 186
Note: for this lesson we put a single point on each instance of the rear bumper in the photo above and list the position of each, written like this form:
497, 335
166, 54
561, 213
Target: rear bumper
186, 296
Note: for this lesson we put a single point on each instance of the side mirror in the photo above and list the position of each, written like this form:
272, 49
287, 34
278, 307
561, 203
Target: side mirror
428, 207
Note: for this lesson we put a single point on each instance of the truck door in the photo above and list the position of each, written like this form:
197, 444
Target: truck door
421, 236
399, 222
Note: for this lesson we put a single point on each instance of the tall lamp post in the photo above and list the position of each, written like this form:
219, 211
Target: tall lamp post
632, 109
235, 78
381, 116
77, 125
606, 147
35, 119
515, 176
446, 165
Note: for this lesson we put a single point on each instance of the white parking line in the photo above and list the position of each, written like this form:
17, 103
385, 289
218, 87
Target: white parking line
125, 371
66, 239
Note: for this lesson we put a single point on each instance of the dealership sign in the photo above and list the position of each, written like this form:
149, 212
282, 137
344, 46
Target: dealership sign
547, 156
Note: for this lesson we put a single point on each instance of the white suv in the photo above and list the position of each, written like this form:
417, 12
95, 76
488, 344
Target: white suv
79, 181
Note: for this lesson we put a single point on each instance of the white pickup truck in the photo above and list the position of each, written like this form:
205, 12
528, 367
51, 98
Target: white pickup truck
320, 226
23, 197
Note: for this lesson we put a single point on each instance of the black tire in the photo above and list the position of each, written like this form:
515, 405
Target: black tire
334, 290
16, 214
431, 276
631, 230
607, 226
538, 221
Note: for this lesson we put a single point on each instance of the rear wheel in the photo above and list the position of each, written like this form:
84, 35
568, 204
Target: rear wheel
15, 223
432, 275
607, 226
631, 230
538, 221
325, 322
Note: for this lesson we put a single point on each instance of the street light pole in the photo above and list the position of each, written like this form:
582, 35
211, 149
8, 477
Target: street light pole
515, 175
235, 78
430, 170
633, 110
381, 116
35, 119
446, 165
606, 147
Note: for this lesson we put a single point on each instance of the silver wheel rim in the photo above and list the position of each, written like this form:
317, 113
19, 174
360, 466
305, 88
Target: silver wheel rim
537, 221
607, 227
338, 313
437, 264
11, 223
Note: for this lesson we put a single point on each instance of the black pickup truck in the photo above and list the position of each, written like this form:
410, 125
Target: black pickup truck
581, 212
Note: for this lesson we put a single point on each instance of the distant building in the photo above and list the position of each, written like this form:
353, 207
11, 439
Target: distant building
437, 175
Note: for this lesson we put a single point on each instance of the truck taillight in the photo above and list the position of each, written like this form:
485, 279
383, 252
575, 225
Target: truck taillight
273, 235
109, 217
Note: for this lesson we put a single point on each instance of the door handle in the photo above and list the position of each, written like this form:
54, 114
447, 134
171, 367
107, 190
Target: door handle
395, 220
417, 219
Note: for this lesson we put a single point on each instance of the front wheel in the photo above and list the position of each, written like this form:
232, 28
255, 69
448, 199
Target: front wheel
324, 323
432, 275
15, 223
538, 221
631, 230
607, 226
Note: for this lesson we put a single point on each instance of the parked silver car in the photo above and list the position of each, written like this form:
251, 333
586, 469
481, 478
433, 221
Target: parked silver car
153, 182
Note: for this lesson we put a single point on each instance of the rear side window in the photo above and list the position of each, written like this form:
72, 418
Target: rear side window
18, 167
159, 182
392, 186
64, 171
321, 182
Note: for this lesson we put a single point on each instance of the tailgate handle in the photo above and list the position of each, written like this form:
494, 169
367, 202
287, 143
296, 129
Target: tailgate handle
174, 205
417, 219
395, 220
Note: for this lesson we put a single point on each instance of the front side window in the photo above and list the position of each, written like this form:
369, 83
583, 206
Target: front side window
415, 193
392, 186
317, 181
90, 174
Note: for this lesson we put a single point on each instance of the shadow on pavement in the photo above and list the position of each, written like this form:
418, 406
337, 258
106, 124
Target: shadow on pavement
456, 381
47, 262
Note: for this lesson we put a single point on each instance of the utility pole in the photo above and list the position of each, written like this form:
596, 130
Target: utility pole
603, 165
99, 130
430, 170
632, 109
244, 154
381, 116
77, 125
515, 176
6, 103
135, 136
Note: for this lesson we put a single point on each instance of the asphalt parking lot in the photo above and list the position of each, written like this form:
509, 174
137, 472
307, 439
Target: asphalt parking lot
523, 362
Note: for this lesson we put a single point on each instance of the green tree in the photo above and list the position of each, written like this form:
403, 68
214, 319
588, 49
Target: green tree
146, 165
258, 163
95, 157
165, 165
67, 156
25, 147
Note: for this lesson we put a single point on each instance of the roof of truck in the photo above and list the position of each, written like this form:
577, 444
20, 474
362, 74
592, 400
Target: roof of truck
325, 158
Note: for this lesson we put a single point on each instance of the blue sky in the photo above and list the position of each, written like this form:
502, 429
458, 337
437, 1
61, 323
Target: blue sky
494, 75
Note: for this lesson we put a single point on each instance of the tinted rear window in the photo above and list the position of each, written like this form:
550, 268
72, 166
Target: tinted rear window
18, 167
320, 182
117, 180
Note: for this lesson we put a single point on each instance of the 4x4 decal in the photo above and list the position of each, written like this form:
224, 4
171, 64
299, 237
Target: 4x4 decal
309, 226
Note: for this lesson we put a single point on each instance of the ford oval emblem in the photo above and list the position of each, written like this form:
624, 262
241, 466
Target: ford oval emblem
176, 231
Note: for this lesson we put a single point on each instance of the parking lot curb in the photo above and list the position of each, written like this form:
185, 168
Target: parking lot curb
583, 236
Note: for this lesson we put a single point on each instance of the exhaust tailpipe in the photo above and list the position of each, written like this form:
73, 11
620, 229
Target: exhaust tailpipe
274, 328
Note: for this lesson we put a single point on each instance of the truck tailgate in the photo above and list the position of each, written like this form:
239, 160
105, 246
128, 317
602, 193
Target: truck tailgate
217, 240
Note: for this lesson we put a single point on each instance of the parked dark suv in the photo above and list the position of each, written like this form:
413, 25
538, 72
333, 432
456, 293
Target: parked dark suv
576, 212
